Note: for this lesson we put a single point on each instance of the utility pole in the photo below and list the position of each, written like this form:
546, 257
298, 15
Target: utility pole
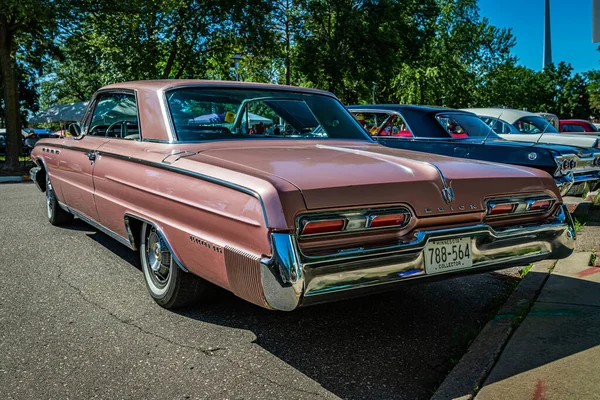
547, 37
373, 93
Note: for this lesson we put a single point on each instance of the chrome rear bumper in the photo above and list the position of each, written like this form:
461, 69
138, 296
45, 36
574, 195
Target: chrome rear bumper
576, 184
290, 279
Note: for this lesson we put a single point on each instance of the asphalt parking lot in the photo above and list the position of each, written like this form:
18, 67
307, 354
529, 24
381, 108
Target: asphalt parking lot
76, 322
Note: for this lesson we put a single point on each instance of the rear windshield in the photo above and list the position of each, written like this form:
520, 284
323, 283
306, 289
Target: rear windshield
462, 126
534, 124
202, 113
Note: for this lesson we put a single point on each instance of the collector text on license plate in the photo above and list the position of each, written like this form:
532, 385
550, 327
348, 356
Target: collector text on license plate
447, 255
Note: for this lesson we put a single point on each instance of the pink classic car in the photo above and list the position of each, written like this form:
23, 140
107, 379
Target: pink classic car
310, 211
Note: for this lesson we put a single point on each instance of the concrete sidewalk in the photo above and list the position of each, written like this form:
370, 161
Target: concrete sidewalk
555, 352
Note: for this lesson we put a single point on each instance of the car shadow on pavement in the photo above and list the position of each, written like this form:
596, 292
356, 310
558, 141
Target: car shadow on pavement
394, 345
398, 345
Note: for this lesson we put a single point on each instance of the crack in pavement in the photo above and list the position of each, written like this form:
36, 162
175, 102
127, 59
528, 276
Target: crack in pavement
208, 351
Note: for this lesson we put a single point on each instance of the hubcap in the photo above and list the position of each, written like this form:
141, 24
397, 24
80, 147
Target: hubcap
158, 258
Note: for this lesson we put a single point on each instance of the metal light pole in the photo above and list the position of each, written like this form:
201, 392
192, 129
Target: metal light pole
547, 37
236, 64
373, 93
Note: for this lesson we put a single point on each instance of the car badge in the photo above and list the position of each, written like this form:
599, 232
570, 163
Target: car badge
448, 194
532, 156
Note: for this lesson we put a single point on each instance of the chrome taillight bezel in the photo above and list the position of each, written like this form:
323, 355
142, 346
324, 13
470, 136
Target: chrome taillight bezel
355, 220
523, 205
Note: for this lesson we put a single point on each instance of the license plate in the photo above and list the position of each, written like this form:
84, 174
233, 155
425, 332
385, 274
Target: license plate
448, 255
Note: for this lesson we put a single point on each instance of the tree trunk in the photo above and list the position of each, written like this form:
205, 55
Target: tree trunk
11, 97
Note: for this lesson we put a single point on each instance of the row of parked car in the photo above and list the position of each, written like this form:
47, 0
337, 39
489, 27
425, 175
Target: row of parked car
319, 211
489, 134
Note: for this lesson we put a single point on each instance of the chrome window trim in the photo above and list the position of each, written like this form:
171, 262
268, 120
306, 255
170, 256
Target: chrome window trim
166, 114
89, 114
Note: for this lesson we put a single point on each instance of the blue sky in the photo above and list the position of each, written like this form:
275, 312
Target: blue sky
571, 24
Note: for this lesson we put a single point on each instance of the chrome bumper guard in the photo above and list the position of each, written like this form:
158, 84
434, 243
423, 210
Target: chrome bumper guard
34, 175
571, 184
290, 279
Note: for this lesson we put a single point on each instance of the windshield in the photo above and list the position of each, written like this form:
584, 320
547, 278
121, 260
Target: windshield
222, 113
462, 126
534, 124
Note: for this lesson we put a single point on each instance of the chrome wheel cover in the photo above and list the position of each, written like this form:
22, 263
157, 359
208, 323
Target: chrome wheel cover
158, 259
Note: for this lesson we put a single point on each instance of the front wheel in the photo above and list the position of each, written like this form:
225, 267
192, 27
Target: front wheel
56, 215
168, 284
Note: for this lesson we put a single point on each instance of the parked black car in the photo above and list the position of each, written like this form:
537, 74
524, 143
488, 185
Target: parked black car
462, 134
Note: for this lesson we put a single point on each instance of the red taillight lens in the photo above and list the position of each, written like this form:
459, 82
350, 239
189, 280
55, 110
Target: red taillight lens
565, 164
327, 226
379, 221
540, 205
499, 209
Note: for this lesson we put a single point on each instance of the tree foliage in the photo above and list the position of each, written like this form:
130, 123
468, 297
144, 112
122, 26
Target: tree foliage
438, 52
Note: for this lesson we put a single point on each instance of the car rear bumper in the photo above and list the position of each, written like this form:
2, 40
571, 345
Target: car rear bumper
582, 183
289, 279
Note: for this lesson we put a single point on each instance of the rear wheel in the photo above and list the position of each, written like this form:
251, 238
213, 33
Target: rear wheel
56, 215
168, 284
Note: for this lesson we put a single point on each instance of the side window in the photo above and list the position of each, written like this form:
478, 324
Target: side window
576, 128
397, 127
115, 116
375, 124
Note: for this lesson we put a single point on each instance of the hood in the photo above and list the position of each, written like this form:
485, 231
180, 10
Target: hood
351, 174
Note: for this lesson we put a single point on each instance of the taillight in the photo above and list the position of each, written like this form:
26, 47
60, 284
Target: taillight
539, 205
354, 221
519, 205
380, 221
572, 164
325, 226
565, 164
502, 208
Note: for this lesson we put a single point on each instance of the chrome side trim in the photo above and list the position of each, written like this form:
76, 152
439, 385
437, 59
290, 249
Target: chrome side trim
133, 245
171, 168
97, 225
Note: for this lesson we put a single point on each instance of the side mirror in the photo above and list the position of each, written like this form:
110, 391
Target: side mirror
75, 129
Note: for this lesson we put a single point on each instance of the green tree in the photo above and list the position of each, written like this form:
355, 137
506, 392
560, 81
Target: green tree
26, 28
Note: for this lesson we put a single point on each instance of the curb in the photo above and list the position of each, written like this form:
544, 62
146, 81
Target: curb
14, 179
475, 365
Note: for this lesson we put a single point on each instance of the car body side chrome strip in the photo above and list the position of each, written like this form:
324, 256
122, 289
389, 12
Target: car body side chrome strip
97, 225
182, 171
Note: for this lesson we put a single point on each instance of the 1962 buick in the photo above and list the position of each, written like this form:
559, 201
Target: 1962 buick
308, 212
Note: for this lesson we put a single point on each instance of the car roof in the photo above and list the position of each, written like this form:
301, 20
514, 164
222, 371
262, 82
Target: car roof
509, 115
166, 84
570, 121
404, 107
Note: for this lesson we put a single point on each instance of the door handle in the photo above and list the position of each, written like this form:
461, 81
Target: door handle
91, 155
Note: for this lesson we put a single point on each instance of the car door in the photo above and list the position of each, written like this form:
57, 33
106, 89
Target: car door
75, 165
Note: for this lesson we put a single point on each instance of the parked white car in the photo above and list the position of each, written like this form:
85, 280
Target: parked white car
523, 126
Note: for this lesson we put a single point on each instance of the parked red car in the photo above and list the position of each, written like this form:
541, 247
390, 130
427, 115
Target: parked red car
577, 126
